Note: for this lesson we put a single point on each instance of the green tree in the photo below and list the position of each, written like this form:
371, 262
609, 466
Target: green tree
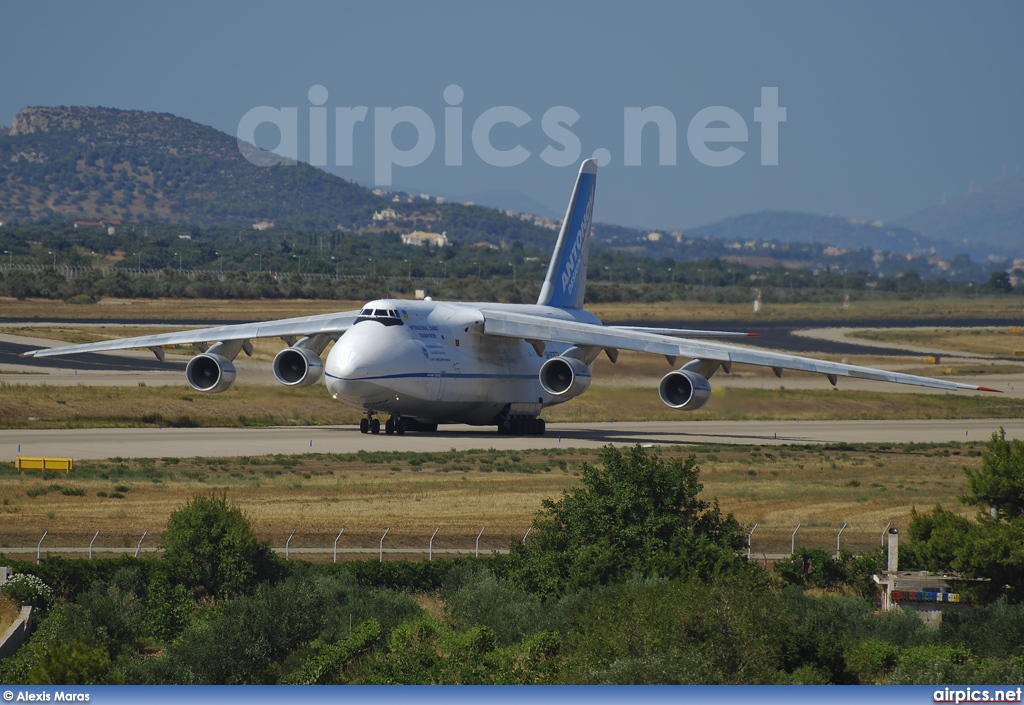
211, 548
635, 514
992, 546
999, 484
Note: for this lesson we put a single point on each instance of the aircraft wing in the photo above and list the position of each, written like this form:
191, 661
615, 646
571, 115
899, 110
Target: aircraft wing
554, 330
686, 332
326, 323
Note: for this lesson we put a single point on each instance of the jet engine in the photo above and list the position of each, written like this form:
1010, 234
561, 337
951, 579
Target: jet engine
298, 367
684, 389
564, 377
210, 372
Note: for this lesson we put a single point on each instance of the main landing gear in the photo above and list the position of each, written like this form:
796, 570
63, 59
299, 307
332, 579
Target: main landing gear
522, 426
395, 425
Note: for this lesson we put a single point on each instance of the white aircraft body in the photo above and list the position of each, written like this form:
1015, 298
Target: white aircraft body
421, 363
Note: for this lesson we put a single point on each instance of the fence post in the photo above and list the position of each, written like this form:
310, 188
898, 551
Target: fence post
837, 539
39, 548
91, 543
792, 540
881, 541
478, 541
382, 544
748, 541
139, 547
336, 543
430, 550
287, 544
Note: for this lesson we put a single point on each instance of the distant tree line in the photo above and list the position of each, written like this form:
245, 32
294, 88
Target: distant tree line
158, 260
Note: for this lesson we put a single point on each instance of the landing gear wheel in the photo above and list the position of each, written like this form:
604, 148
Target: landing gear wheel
389, 426
400, 426
375, 426
364, 425
541, 427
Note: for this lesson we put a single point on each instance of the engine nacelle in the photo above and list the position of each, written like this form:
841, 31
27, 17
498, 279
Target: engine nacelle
298, 367
210, 372
684, 389
564, 377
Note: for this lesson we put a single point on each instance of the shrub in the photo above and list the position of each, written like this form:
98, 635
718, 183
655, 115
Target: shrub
28, 589
637, 514
211, 548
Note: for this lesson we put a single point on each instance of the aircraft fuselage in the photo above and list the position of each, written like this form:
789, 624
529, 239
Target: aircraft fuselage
430, 361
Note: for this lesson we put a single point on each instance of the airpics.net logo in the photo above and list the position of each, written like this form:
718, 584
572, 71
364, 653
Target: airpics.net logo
714, 135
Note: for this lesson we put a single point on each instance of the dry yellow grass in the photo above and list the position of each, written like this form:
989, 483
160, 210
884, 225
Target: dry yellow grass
412, 494
9, 611
45, 406
264, 349
999, 342
266, 309
173, 309
996, 307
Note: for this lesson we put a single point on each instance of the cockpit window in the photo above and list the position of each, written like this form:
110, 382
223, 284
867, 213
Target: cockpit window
388, 317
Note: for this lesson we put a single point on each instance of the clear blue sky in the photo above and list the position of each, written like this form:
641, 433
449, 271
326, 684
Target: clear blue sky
889, 105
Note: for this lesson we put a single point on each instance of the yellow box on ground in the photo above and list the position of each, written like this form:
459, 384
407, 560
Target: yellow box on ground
56, 464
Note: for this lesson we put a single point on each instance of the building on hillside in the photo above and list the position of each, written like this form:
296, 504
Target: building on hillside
421, 239
110, 225
385, 214
263, 225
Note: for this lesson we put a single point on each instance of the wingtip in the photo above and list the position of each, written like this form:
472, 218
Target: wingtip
753, 335
990, 389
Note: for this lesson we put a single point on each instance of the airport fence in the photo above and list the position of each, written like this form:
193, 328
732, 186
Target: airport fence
766, 541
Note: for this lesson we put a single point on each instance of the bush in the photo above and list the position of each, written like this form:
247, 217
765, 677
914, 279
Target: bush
638, 515
262, 637
510, 612
733, 630
211, 548
27, 589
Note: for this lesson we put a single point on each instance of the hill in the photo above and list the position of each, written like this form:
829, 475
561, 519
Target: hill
103, 163
988, 217
786, 227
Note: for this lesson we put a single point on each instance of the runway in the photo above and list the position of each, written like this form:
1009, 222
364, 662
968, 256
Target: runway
82, 444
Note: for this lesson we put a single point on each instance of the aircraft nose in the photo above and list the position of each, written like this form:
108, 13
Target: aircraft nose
351, 363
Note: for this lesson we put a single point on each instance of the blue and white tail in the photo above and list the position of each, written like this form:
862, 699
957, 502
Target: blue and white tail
566, 279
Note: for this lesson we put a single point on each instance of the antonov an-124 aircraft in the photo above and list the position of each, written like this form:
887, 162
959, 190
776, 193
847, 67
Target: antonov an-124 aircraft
423, 363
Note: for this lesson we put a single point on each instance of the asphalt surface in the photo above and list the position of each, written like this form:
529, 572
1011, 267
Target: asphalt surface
228, 442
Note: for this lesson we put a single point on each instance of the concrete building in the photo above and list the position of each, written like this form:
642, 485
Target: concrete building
421, 239
927, 594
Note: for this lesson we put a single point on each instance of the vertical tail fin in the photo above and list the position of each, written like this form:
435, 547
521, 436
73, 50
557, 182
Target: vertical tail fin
566, 279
